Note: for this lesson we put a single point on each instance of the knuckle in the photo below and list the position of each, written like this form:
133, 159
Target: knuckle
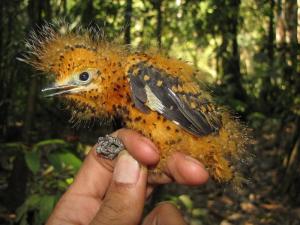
117, 203
113, 211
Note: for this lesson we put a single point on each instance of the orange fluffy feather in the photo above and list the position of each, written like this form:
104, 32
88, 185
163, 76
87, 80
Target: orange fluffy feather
109, 95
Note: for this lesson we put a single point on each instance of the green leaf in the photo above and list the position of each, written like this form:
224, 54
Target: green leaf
23, 221
46, 206
21, 212
12, 147
196, 222
48, 142
69, 180
198, 212
30, 203
237, 105
33, 161
55, 160
186, 201
62, 159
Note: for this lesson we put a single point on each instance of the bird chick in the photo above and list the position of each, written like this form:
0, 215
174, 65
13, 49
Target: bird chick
155, 95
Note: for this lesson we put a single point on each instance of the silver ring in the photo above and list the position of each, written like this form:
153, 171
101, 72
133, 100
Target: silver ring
109, 147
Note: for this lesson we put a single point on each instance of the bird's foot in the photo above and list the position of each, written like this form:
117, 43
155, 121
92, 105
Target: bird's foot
109, 147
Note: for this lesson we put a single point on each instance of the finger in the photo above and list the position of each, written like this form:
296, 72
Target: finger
95, 173
139, 147
126, 195
186, 170
92, 179
164, 214
182, 169
84, 194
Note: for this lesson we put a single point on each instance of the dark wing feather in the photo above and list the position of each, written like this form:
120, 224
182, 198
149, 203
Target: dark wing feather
139, 97
152, 89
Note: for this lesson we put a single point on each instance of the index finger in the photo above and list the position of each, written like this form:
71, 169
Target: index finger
95, 174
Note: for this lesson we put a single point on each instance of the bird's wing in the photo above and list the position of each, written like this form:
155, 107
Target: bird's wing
153, 88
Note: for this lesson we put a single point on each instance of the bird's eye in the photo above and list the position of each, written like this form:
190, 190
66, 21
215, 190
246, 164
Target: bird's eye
84, 76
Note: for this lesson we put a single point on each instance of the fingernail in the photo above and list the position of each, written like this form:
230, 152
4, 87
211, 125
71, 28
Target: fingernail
127, 169
195, 161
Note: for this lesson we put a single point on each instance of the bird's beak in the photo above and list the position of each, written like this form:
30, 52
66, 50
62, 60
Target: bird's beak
59, 90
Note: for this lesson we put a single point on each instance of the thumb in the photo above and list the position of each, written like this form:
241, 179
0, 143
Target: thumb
125, 198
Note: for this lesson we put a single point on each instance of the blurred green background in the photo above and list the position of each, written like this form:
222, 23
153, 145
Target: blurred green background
249, 53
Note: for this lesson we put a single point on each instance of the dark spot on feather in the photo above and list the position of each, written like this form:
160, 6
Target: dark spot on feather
172, 142
137, 118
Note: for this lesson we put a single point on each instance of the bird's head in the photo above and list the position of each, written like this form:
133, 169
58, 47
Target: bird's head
84, 69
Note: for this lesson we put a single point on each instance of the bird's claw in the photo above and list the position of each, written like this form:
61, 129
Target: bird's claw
109, 147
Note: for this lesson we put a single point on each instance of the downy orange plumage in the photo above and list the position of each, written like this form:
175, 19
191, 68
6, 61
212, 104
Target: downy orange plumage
153, 94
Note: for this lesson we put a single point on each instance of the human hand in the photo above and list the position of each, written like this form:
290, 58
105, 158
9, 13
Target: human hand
114, 192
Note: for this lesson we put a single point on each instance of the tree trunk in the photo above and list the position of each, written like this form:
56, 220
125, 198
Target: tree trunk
2, 97
88, 14
231, 58
271, 36
65, 2
35, 15
36, 9
1, 35
292, 154
266, 90
16, 190
292, 23
8, 70
128, 13
235, 61
157, 5
291, 182
281, 31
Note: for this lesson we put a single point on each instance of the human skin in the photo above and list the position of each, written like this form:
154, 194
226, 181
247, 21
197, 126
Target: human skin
114, 192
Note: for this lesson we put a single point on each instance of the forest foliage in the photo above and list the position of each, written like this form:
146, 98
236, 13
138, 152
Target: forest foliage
248, 51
